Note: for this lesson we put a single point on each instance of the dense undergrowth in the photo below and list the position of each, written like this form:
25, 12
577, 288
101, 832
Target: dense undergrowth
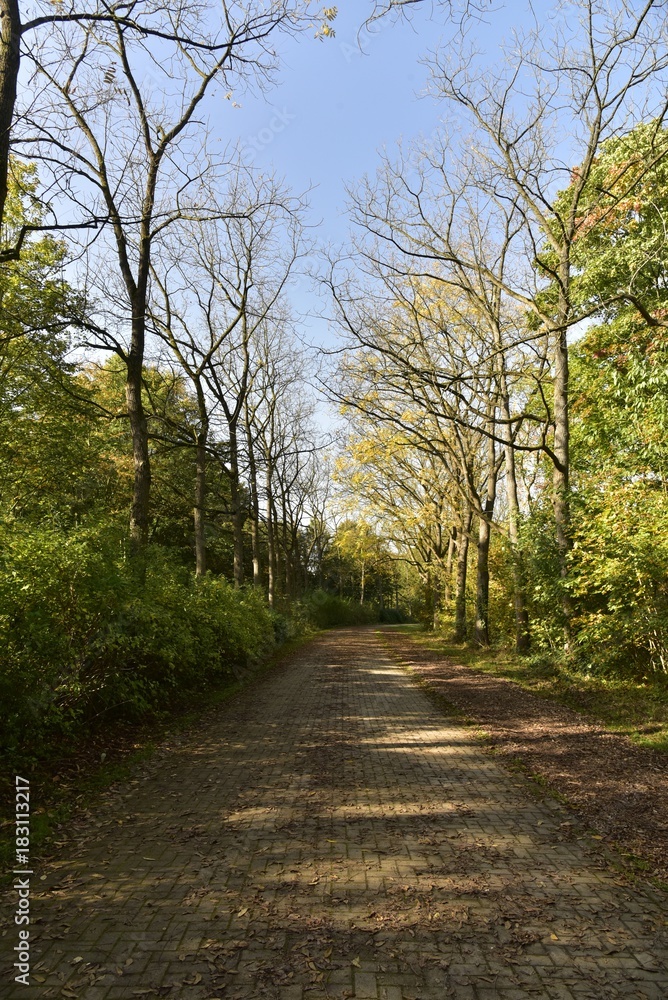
87, 638
90, 638
325, 610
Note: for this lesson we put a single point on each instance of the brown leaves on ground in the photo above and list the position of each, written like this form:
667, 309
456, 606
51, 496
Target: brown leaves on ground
616, 787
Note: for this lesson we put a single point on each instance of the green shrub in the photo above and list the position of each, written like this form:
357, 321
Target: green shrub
84, 639
285, 627
618, 573
327, 611
620, 578
393, 616
544, 586
57, 592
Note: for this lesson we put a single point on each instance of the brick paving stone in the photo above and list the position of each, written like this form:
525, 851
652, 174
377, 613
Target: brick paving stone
329, 834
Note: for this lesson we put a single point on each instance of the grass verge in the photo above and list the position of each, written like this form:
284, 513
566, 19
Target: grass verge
637, 708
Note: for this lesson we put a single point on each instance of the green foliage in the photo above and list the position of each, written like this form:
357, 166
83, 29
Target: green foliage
36, 302
620, 577
286, 627
620, 414
620, 251
86, 634
501, 597
619, 422
544, 586
358, 564
327, 610
618, 573
57, 590
50, 464
620, 400
172, 426
393, 616
83, 639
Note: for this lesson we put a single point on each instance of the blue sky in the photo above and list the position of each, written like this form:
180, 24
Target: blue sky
336, 102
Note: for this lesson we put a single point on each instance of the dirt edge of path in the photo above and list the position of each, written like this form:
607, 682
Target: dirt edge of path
617, 790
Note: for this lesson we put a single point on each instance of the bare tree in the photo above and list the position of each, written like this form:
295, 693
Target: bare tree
581, 78
115, 126
318, 496
222, 287
204, 37
282, 449
455, 9
587, 74
414, 364
431, 223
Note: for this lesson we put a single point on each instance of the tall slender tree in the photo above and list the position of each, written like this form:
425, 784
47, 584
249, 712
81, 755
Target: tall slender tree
115, 123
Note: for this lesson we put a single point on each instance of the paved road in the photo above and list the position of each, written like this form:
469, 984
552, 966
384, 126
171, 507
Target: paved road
330, 834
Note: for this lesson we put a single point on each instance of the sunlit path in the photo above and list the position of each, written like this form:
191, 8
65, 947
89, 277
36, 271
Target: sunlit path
329, 834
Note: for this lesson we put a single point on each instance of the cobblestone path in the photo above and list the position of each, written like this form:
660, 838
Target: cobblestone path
329, 834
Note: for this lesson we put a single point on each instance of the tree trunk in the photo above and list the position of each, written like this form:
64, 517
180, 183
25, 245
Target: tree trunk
10, 56
484, 533
286, 549
255, 508
271, 555
140, 450
255, 546
462, 567
237, 513
137, 297
482, 585
429, 601
362, 581
522, 631
452, 545
560, 476
200, 506
299, 572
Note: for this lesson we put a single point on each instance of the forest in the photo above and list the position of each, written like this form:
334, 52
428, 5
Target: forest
481, 445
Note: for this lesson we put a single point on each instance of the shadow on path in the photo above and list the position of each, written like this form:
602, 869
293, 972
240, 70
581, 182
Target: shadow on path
330, 834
